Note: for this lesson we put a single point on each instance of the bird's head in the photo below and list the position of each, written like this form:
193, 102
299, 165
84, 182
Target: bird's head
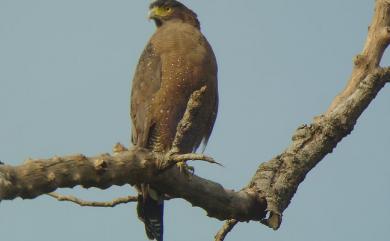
162, 11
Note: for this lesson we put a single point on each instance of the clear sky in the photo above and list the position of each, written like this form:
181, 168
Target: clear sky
65, 74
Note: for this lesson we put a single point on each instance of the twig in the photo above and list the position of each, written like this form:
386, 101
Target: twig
193, 156
172, 159
378, 38
183, 129
226, 228
185, 125
113, 203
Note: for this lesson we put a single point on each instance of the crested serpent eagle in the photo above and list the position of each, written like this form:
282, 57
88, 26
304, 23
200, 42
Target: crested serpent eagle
176, 61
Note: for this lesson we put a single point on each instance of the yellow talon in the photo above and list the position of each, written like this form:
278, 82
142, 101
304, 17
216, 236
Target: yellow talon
184, 168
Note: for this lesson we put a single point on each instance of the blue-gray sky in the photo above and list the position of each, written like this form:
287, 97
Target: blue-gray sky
65, 73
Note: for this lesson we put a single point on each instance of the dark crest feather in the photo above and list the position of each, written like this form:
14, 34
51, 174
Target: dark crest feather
166, 3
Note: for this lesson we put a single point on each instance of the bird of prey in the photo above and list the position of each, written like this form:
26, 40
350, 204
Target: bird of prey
176, 61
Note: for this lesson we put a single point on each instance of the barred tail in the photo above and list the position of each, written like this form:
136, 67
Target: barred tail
151, 212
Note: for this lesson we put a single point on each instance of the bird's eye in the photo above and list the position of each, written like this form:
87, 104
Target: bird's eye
168, 9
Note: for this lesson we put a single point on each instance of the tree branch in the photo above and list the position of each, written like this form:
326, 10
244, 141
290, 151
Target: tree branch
278, 179
369, 59
137, 165
113, 203
226, 228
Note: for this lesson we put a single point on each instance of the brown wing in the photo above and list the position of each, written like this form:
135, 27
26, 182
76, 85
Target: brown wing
146, 82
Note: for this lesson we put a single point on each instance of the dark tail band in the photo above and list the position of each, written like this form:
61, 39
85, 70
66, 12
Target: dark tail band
151, 212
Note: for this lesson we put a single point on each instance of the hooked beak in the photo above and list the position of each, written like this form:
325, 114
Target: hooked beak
153, 13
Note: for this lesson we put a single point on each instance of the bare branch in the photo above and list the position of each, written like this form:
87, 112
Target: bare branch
137, 165
279, 178
34, 178
185, 125
226, 228
80, 202
368, 60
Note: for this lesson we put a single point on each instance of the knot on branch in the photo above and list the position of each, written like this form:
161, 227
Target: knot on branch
100, 165
119, 148
273, 221
5, 180
359, 60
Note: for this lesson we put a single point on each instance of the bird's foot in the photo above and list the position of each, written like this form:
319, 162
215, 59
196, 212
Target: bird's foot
173, 156
185, 168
